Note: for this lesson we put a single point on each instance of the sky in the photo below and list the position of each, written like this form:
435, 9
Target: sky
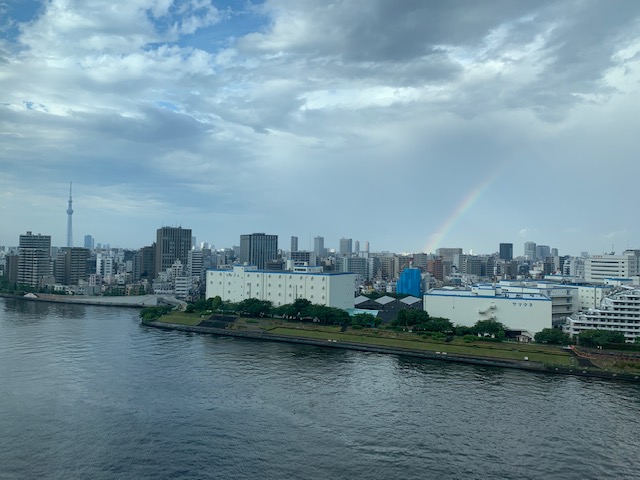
412, 125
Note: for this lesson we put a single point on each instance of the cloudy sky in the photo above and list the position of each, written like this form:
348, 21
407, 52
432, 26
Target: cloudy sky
412, 124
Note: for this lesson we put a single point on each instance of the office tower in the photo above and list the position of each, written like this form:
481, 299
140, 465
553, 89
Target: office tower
258, 249
366, 246
357, 247
346, 246
318, 246
34, 259
542, 252
88, 242
69, 221
196, 264
294, 244
148, 262
172, 243
530, 251
506, 251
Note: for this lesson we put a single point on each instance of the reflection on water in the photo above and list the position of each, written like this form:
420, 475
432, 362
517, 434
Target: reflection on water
88, 392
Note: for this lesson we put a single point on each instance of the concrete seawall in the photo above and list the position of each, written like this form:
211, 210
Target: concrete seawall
132, 301
515, 364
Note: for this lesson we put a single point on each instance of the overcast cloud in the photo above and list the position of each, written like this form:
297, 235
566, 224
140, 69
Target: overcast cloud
376, 120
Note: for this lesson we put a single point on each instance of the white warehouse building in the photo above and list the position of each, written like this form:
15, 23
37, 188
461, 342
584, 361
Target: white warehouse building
282, 287
517, 311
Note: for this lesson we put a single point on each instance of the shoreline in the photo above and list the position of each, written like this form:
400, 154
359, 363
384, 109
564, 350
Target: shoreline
534, 367
127, 301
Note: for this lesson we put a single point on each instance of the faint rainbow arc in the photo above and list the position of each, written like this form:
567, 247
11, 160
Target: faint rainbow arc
459, 211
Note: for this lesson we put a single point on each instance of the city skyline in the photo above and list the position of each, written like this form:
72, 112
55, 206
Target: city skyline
456, 124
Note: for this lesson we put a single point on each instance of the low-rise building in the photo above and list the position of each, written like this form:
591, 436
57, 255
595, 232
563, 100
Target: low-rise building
530, 312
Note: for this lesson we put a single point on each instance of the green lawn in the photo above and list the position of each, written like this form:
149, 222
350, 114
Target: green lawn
386, 338
509, 351
181, 318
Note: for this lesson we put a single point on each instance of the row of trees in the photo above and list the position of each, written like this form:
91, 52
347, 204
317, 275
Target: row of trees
416, 320
300, 309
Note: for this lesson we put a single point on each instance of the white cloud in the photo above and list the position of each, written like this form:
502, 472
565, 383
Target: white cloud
304, 116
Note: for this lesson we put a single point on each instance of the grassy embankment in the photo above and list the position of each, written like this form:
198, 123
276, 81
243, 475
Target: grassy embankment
387, 338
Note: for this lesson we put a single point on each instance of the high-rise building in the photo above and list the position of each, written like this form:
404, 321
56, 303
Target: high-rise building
294, 244
506, 251
88, 242
69, 221
258, 249
530, 251
318, 246
71, 265
346, 246
34, 259
172, 243
542, 252
357, 247
148, 262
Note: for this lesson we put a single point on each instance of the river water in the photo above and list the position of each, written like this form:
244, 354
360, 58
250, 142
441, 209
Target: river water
88, 392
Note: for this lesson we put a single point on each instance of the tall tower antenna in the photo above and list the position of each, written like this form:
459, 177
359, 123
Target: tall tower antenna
69, 221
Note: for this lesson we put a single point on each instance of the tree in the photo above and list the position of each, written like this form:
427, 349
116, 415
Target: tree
365, 319
301, 306
409, 318
253, 307
488, 327
599, 338
553, 336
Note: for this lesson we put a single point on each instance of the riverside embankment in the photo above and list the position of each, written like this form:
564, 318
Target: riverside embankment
341, 343
133, 301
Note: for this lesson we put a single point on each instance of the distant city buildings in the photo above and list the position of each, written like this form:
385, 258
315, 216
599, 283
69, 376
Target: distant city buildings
530, 251
318, 247
506, 251
346, 247
89, 242
257, 249
578, 291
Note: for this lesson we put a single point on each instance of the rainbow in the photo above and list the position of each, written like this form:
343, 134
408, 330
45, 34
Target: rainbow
464, 205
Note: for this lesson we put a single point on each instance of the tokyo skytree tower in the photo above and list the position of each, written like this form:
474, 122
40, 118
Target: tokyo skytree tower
69, 221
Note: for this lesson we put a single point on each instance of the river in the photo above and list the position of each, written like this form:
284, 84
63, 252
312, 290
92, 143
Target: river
88, 392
